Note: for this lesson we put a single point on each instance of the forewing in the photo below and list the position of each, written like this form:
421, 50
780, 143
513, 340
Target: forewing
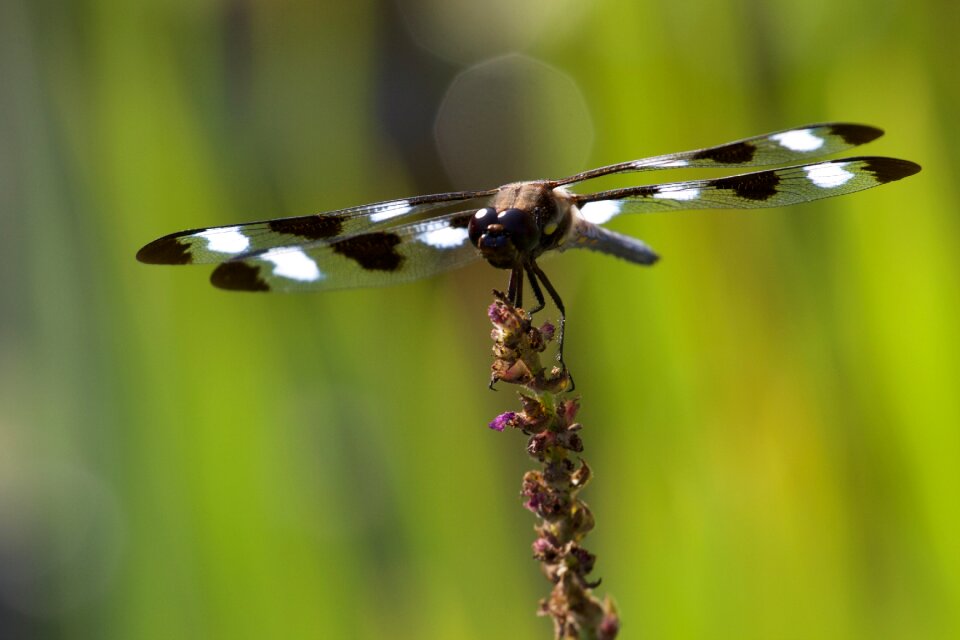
772, 188
217, 244
781, 147
370, 259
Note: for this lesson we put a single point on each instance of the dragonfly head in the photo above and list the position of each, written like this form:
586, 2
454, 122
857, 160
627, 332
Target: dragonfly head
504, 238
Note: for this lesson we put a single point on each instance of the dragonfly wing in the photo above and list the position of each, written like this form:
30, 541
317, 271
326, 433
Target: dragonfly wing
799, 144
370, 259
217, 244
771, 188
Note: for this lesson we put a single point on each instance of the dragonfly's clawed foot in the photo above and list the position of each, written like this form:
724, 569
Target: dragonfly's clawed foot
564, 372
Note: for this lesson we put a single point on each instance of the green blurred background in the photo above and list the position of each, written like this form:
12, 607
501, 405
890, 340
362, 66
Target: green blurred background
772, 412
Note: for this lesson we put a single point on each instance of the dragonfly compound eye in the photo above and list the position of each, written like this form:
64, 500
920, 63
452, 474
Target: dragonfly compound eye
521, 227
479, 223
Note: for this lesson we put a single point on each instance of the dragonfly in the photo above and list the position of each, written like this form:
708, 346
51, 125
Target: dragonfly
512, 226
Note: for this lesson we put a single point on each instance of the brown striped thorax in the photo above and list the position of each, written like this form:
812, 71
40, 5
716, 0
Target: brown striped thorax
512, 226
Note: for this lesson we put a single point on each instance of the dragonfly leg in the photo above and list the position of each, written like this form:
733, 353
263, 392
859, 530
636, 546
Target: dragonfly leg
537, 273
537, 292
515, 288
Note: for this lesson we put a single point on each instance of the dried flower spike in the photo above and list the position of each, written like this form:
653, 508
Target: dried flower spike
551, 492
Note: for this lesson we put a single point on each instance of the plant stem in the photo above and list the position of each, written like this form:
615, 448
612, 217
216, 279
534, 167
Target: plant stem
551, 492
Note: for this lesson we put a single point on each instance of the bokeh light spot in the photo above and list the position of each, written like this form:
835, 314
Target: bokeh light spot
509, 119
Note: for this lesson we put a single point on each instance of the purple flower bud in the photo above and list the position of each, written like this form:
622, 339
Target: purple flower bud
504, 317
497, 313
533, 504
609, 627
547, 331
541, 546
537, 494
502, 420
569, 410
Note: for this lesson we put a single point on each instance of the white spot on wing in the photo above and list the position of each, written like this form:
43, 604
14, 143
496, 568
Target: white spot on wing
395, 209
672, 163
225, 240
600, 211
293, 264
444, 237
677, 194
828, 175
800, 140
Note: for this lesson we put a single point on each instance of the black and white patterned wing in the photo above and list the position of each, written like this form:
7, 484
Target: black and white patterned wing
771, 188
781, 147
370, 259
218, 244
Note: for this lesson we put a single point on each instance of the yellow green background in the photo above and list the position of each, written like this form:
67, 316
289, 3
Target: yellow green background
771, 412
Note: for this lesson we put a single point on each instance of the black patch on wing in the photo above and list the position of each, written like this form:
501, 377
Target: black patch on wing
372, 251
238, 276
753, 186
166, 250
737, 153
310, 227
854, 134
889, 169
